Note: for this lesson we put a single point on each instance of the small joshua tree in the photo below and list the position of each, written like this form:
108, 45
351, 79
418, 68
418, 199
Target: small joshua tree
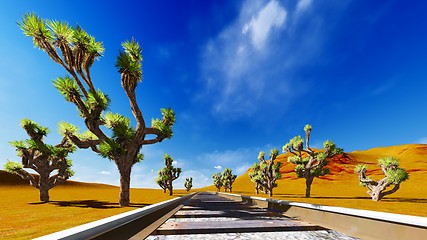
217, 178
42, 158
265, 174
228, 179
393, 176
309, 164
188, 184
256, 177
167, 175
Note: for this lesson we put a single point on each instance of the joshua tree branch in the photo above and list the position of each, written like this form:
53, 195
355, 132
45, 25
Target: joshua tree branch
393, 190
25, 175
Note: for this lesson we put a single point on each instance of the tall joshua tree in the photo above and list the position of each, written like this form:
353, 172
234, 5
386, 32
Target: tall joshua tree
228, 179
265, 174
393, 176
217, 180
168, 174
42, 158
309, 164
188, 184
76, 51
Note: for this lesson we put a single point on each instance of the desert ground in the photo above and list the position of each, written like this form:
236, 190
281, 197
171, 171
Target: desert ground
24, 217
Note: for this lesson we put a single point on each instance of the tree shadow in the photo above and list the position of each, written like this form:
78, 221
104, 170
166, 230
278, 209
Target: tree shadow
385, 199
90, 204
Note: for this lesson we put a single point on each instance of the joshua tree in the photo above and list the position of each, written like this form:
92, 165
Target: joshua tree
228, 179
167, 175
217, 178
75, 50
256, 177
42, 158
188, 184
161, 181
309, 164
265, 174
393, 176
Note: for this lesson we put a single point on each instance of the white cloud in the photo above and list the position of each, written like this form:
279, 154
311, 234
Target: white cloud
105, 173
218, 167
252, 64
303, 5
270, 17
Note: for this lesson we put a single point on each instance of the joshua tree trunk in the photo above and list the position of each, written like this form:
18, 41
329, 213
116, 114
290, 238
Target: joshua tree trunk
124, 185
377, 193
170, 188
308, 182
44, 186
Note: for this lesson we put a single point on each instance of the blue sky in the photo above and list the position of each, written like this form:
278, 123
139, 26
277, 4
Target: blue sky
242, 76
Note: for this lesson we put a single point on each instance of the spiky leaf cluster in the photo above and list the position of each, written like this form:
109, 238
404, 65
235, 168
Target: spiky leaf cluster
78, 48
68, 88
296, 143
164, 125
12, 167
120, 125
129, 64
96, 102
65, 129
33, 129
360, 168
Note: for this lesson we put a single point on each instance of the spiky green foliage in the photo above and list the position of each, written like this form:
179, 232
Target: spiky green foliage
164, 125
65, 129
307, 128
360, 168
120, 126
129, 62
33, 26
67, 87
33, 128
296, 143
12, 167
61, 30
97, 101
393, 176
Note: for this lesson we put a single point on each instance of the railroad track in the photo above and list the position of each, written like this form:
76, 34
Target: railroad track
231, 216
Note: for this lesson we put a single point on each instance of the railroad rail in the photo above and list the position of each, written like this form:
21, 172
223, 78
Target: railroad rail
232, 216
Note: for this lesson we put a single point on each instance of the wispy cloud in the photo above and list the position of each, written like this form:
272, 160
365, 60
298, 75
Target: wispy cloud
272, 16
218, 167
303, 5
105, 173
251, 64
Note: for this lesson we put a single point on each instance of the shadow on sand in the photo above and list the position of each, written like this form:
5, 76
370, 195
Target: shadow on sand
89, 204
385, 199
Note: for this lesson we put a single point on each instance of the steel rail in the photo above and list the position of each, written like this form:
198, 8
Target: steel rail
363, 224
139, 222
